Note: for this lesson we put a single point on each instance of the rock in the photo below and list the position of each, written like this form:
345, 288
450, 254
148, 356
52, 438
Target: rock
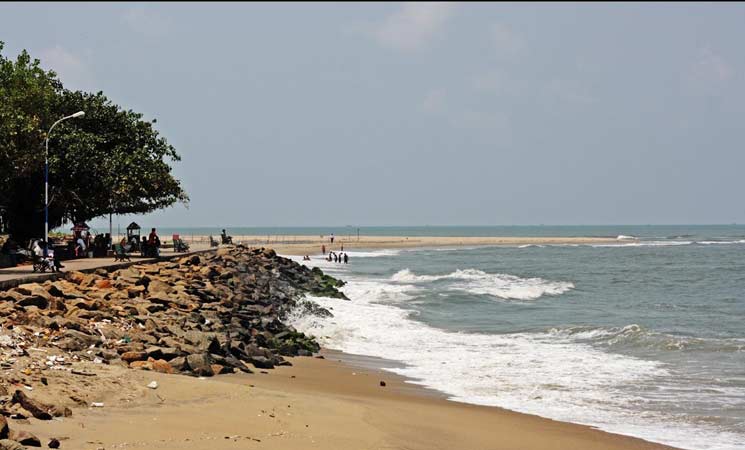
103, 284
64, 289
60, 411
129, 357
3, 427
200, 364
382, 383
153, 384
205, 342
261, 362
73, 340
162, 366
7, 444
218, 369
74, 276
178, 364
158, 286
142, 365
154, 352
24, 438
53, 443
35, 407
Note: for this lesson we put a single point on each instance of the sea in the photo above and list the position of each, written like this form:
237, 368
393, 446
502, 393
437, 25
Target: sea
643, 337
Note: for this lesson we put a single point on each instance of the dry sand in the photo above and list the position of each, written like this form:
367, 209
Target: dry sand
324, 404
311, 245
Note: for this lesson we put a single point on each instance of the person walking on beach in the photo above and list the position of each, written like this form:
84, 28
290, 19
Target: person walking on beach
342, 246
323, 249
346, 258
332, 238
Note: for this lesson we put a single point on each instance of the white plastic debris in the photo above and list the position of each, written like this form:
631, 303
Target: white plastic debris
97, 405
153, 385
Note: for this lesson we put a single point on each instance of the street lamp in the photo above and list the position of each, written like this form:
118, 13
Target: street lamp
46, 178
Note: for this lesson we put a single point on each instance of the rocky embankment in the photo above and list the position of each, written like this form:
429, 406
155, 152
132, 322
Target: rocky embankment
200, 315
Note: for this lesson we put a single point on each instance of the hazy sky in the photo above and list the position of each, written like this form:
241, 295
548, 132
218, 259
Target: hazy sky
407, 114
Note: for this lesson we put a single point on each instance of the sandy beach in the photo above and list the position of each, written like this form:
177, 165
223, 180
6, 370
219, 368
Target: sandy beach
316, 403
311, 245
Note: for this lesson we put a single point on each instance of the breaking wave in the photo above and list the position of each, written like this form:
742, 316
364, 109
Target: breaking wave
499, 285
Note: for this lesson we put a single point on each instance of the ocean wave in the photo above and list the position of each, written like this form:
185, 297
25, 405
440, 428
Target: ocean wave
741, 241
553, 374
499, 285
636, 336
644, 244
372, 253
622, 237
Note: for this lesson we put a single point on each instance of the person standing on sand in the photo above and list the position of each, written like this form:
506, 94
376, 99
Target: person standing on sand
323, 249
342, 246
332, 238
346, 258
154, 242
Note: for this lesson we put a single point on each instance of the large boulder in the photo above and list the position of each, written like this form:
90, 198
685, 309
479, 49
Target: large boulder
200, 364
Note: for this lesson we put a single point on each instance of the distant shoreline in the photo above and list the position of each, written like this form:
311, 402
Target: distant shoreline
313, 245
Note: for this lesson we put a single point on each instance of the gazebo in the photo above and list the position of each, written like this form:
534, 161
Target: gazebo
133, 235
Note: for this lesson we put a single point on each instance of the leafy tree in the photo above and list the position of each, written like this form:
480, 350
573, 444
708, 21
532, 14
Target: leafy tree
109, 161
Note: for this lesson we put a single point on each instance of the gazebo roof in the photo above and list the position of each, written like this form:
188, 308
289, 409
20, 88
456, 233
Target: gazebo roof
133, 226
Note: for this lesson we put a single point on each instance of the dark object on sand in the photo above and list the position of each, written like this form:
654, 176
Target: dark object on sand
36, 408
382, 383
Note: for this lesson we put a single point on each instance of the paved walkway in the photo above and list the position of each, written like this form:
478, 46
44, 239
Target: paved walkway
23, 274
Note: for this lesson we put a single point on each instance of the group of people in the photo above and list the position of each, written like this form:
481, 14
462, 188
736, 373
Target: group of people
149, 246
341, 257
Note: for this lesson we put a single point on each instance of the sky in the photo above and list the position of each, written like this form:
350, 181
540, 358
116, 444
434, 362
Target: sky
420, 114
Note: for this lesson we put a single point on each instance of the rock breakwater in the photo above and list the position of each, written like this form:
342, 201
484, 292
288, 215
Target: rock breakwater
200, 315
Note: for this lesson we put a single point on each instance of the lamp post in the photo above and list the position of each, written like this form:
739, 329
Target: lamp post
46, 178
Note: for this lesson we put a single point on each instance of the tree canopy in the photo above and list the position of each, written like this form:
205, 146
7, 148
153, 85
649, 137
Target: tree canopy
109, 161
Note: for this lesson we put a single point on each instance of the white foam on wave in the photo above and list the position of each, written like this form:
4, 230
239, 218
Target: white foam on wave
622, 237
407, 276
538, 373
372, 254
499, 285
644, 244
741, 241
